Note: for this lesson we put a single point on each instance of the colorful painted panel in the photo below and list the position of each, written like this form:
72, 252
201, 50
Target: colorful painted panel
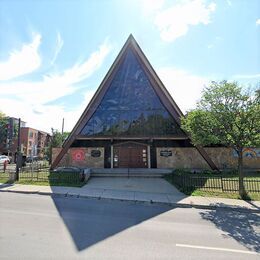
249, 153
78, 155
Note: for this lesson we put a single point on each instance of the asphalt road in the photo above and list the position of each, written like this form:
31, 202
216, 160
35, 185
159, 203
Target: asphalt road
44, 227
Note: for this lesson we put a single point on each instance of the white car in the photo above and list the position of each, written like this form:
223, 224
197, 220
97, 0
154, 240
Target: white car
4, 158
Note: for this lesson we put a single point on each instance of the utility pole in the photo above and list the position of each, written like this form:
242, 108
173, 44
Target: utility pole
18, 154
62, 128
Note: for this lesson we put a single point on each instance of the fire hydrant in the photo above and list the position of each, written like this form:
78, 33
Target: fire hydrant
5, 165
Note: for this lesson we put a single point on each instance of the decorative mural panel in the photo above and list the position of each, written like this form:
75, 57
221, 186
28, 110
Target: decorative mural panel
78, 155
248, 152
131, 107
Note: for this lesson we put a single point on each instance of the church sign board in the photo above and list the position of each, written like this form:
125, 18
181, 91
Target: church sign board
166, 153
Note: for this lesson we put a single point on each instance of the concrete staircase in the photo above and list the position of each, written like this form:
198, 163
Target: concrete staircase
129, 172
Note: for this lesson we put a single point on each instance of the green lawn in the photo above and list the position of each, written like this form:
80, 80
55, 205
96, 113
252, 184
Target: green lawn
4, 177
208, 184
229, 195
46, 178
50, 183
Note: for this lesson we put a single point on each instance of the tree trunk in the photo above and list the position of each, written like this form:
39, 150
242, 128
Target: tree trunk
242, 191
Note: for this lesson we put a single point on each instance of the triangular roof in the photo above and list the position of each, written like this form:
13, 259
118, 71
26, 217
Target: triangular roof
156, 84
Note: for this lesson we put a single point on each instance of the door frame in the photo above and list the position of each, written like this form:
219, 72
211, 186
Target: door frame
131, 142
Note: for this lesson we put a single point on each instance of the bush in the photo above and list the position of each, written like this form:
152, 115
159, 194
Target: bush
181, 171
230, 172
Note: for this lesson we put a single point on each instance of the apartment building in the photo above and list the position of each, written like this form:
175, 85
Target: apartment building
34, 142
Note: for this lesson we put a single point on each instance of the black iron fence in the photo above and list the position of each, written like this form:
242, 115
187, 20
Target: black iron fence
41, 173
214, 183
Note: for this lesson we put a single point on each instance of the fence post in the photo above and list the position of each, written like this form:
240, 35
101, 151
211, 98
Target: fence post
221, 179
185, 182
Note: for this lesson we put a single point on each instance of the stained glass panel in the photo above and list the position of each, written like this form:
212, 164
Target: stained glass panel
131, 107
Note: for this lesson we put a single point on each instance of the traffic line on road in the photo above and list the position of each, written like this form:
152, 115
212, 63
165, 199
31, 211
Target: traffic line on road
219, 249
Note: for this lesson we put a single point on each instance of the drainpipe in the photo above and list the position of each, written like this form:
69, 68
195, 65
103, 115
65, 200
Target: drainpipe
149, 156
112, 157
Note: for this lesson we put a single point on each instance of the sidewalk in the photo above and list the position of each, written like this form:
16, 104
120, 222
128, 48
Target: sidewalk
135, 196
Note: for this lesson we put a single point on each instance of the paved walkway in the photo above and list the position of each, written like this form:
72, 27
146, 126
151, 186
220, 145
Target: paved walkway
153, 185
152, 190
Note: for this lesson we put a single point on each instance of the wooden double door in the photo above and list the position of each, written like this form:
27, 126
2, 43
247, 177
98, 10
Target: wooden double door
130, 155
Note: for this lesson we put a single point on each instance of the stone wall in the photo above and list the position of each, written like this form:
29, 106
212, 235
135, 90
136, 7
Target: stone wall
92, 157
189, 157
180, 158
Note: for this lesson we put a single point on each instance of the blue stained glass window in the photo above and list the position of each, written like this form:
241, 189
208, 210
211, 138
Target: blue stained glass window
130, 107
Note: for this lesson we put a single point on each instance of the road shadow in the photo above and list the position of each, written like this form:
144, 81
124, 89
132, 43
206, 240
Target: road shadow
252, 203
90, 221
244, 227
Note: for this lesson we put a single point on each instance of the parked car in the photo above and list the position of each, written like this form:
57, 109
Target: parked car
4, 158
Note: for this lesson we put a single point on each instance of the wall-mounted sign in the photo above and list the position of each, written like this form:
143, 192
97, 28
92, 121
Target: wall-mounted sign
78, 155
165, 153
95, 153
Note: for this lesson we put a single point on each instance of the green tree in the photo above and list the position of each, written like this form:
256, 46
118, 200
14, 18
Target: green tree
226, 115
3, 128
57, 140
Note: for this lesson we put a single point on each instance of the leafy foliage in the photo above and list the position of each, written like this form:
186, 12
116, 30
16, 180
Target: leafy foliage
225, 115
3, 129
57, 140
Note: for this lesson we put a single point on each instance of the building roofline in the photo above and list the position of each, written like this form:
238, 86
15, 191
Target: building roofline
31, 128
156, 84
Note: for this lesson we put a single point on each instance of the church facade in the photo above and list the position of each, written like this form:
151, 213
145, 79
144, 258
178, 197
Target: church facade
133, 122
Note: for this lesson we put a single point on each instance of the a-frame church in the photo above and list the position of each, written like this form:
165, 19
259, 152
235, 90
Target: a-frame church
131, 122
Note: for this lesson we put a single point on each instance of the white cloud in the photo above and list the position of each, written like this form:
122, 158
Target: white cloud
59, 44
258, 21
45, 117
184, 87
81, 71
23, 61
31, 97
175, 21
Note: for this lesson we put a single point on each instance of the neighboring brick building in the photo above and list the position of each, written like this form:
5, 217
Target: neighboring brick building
34, 142
43, 142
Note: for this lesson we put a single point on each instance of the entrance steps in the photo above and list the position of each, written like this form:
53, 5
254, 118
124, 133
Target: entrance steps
128, 172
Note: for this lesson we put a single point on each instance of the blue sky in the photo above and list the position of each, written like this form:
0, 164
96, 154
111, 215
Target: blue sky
54, 54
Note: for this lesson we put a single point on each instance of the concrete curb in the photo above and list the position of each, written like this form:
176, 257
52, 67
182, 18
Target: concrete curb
173, 204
